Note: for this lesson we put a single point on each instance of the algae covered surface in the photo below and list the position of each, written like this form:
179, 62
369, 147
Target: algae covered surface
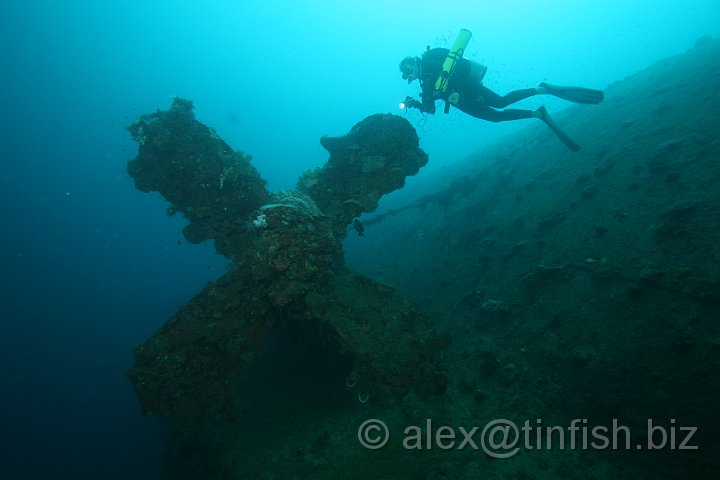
582, 286
574, 296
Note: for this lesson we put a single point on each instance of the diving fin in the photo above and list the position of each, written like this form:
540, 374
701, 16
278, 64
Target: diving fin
574, 94
545, 117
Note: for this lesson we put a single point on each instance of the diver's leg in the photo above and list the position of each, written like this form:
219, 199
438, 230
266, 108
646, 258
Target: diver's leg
480, 110
492, 99
572, 94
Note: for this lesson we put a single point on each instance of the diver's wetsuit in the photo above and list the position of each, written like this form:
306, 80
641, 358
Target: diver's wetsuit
475, 99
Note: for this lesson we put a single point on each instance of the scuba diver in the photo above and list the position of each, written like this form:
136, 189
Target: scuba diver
445, 75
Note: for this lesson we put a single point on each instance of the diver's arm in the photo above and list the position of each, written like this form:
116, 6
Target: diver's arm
426, 106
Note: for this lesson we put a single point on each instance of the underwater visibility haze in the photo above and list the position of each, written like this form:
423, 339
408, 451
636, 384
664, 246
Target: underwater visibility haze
229, 251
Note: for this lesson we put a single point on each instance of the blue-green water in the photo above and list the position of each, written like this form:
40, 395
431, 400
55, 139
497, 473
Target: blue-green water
91, 267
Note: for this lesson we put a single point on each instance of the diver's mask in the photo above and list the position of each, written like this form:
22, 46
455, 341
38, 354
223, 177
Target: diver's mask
410, 69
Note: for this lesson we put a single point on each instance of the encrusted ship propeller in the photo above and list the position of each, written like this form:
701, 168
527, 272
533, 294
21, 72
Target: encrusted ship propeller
287, 264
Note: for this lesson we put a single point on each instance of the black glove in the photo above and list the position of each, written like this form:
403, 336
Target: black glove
412, 103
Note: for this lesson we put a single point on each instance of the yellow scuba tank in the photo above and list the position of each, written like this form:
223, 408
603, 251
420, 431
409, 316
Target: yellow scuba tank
454, 55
